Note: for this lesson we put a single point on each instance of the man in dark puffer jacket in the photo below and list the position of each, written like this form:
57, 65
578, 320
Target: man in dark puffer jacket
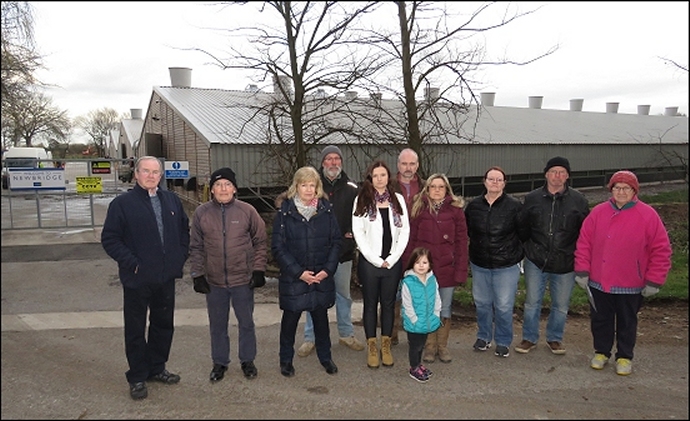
554, 214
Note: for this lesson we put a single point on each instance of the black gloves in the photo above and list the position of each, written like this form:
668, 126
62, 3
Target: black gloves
258, 279
201, 285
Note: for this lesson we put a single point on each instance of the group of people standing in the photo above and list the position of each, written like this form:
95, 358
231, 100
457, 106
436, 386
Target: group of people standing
416, 241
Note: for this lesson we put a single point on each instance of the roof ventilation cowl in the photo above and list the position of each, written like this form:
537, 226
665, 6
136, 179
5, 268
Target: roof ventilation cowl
180, 77
535, 102
612, 107
431, 94
671, 111
576, 104
488, 98
643, 109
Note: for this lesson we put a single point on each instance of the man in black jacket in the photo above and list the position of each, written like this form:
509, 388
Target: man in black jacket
554, 214
146, 231
342, 193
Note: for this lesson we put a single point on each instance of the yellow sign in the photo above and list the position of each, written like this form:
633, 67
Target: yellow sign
89, 185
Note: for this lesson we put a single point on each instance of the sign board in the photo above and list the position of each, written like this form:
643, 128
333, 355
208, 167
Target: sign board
176, 169
89, 185
37, 178
100, 167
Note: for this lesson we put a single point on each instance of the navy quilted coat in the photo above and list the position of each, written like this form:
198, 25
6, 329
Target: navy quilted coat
298, 244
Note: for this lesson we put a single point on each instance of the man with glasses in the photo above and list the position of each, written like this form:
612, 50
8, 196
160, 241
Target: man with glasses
341, 193
554, 214
146, 231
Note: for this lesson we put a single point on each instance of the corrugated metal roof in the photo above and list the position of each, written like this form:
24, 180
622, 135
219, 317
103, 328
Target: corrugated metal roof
511, 125
132, 129
230, 117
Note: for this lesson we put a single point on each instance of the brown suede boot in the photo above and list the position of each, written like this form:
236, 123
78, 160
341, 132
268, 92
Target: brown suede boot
386, 354
430, 348
372, 353
442, 335
397, 323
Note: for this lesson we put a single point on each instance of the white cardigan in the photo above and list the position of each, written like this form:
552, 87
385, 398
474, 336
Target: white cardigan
369, 235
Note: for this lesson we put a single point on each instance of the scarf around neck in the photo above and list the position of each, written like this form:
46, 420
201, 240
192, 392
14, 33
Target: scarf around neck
380, 198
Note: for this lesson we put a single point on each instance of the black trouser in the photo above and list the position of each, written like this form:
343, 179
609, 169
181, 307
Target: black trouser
379, 285
416, 343
615, 319
147, 354
322, 334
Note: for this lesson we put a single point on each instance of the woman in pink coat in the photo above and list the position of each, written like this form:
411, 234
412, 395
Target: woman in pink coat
623, 254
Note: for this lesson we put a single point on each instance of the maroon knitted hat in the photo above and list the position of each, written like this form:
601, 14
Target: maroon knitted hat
626, 177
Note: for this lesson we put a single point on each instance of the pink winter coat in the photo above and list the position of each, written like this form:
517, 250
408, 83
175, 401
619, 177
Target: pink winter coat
622, 250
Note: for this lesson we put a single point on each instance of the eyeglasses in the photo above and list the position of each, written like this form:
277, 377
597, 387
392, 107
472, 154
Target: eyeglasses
495, 180
147, 172
625, 189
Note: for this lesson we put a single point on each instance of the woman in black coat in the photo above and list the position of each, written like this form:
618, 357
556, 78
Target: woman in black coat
306, 244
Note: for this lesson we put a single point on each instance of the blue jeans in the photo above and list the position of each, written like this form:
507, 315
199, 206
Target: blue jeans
560, 288
494, 297
343, 304
446, 301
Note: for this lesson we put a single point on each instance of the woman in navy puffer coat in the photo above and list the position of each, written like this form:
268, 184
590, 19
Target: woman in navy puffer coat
306, 244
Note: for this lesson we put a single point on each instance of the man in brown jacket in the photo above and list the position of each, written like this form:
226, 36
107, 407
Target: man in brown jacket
228, 253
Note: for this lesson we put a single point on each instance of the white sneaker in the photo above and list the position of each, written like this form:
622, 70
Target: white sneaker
306, 349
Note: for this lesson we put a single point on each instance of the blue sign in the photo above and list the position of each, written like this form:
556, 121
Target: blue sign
176, 169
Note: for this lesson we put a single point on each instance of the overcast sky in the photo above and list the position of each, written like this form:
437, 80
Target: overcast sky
111, 54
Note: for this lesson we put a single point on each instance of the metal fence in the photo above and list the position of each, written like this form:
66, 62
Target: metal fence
68, 208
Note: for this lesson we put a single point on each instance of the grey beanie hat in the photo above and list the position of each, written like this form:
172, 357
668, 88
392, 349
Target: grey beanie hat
330, 149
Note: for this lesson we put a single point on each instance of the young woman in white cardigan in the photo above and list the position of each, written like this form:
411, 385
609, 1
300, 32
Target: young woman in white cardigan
381, 229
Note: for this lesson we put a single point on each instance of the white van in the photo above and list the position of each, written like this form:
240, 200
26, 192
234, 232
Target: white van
24, 158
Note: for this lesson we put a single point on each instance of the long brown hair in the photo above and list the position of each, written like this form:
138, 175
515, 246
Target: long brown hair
416, 254
365, 197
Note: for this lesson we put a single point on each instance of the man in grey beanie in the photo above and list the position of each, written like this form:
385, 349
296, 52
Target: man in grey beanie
341, 193
554, 213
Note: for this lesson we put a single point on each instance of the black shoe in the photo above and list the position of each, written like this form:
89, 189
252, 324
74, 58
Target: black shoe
165, 377
138, 390
249, 369
287, 369
330, 367
218, 372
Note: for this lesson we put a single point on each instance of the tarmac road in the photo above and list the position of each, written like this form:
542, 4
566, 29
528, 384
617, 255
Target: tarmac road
63, 358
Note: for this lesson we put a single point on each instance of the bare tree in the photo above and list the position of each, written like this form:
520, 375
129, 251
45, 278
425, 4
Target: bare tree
31, 117
675, 64
667, 154
19, 57
312, 52
97, 125
18, 63
436, 56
